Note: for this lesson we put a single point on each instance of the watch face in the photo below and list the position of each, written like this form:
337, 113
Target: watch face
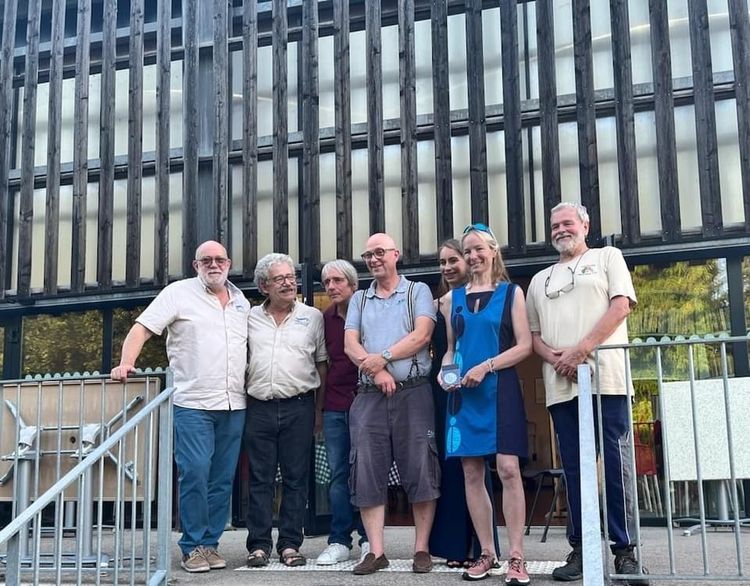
450, 378
386, 354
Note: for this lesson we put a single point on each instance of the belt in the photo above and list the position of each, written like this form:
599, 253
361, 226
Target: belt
400, 385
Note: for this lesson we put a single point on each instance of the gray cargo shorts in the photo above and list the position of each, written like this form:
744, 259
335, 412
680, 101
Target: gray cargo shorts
400, 428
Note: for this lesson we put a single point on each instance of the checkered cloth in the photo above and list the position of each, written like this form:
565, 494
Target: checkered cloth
323, 471
394, 478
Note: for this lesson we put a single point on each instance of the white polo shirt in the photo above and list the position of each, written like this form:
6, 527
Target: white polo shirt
206, 344
282, 358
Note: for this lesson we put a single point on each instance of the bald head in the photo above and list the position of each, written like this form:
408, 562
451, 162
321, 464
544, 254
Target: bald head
380, 240
210, 248
381, 256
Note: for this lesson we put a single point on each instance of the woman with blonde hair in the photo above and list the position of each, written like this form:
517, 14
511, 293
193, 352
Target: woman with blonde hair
488, 334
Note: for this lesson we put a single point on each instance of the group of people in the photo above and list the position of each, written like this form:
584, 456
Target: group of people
392, 376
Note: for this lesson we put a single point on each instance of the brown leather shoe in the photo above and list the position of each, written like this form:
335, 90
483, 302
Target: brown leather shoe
370, 564
422, 563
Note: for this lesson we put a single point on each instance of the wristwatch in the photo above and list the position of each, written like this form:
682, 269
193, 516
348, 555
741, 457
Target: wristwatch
386, 354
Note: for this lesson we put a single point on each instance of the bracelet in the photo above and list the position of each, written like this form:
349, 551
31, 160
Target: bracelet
490, 365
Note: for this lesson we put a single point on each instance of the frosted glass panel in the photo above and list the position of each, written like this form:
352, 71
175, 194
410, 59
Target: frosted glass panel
497, 196
428, 219
648, 173
392, 171
601, 42
570, 177
360, 202
679, 38
609, 183
730, 177
687, 167
493, 60
265, 89
564, 58
640, 42
457, 62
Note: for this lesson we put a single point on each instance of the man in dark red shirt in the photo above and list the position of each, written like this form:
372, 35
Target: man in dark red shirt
340, 282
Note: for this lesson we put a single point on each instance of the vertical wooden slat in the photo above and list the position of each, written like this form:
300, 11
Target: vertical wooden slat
739, 28
343, 122
107, 146
550, 139
54, 122
250, 137
310, 252
375, 157
135, 146
80, 148
27, 151
666, 147
190, 136
477, 127
442, 127
221, 117
163, 87
512, 124
626, 153
280, 130
705, 118
6, 105
588, 159
409, 175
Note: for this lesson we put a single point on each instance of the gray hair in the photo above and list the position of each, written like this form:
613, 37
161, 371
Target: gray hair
344, 267
264, 265
583, 215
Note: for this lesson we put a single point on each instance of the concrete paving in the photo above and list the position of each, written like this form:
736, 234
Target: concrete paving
721, 549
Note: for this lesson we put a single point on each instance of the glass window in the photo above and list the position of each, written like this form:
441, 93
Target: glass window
640, 42
679, 38
564, 56
266, 220
746, 286
69, 342
265, 90
609, 178
687, 167
648, 172
730, 176
601, 45
2, 349
154, 353
493, 59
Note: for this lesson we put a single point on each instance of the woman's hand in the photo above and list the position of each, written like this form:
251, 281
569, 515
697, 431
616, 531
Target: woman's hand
475, 376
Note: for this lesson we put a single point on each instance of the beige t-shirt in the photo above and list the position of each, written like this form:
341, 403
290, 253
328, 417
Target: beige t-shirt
600, 275
206, 344
282, 358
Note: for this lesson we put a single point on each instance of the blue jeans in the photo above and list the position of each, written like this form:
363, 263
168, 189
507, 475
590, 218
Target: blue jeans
279, 433
336, 433
206, 449
616, 447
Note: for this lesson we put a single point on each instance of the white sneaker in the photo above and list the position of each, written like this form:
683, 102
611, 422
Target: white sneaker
364, 549
333, 554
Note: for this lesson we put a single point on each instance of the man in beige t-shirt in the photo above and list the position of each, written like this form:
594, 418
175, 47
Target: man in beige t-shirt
574, 306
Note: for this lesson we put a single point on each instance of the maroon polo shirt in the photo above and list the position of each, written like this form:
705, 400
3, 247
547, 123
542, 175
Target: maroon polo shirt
341, 381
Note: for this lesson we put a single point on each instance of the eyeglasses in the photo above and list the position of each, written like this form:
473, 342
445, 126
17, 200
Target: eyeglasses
281, 279
207, 261
479, 227
567, 289
377, 253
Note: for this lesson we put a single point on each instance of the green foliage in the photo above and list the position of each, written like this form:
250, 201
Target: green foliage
154, 353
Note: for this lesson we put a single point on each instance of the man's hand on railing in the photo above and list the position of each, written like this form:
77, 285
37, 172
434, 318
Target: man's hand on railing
121, 372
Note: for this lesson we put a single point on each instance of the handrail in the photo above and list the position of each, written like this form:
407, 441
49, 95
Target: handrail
27, 514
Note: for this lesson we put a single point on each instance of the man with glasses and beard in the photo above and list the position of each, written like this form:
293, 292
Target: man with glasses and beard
287, 366
388, 329
206, 322
574, 306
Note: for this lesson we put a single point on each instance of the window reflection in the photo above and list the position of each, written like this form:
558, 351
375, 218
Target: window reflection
69, 342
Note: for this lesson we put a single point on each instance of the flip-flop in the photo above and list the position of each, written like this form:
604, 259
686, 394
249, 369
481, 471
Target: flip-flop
292, 559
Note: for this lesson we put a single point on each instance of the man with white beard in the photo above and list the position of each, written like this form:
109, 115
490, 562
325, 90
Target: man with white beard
574, 306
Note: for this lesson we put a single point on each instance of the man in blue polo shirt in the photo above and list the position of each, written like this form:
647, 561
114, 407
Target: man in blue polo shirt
388, 330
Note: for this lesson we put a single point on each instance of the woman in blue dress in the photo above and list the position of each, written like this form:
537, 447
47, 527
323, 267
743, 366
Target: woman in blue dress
452, 536
488, 334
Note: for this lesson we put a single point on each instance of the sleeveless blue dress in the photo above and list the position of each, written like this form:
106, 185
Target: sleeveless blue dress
491, 418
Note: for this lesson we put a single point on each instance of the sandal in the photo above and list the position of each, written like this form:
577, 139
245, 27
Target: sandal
454, 564
291, 558
257, 559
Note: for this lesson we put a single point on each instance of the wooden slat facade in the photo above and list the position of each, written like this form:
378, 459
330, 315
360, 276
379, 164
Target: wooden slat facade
375, 155
588, 156
221, 120
163, 95
739, 27
545, 39
198, 43
54, 122
441, 103
343, 125
477, 122
81, 149
280, 130
625, 117
705, 118
250, 137
666, 144
409, 176
28, 145
107, 145
512, 127
310, 193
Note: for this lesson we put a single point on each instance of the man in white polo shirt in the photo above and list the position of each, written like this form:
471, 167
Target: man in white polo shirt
206, 322
287, 365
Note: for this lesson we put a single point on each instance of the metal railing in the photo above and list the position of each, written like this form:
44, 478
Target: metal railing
88, 459
700, 411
